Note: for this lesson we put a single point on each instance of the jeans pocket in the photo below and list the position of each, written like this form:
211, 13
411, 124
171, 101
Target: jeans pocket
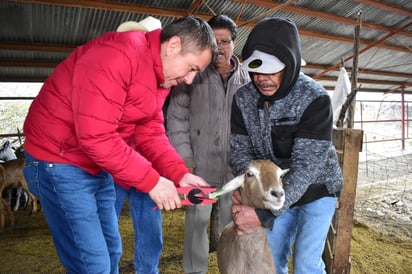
31, 174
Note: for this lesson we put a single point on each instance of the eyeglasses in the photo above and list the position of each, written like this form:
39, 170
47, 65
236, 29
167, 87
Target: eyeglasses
224, 42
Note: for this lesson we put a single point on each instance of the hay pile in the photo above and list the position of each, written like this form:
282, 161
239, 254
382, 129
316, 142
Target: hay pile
28, 248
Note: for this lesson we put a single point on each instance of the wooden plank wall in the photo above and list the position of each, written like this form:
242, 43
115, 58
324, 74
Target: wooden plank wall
348, 143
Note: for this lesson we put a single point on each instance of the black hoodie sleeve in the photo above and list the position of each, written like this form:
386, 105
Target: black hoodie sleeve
266, 218
316, 122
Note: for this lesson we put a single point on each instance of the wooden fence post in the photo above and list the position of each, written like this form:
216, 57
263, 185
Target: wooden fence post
348, 144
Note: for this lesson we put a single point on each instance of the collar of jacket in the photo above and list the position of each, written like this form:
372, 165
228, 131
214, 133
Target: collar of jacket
153, 40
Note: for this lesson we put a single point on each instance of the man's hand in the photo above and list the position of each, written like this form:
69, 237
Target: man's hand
236, 197
164, 194
192, 180
244, 217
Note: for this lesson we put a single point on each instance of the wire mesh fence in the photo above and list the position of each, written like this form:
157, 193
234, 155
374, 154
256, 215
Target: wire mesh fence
384, 191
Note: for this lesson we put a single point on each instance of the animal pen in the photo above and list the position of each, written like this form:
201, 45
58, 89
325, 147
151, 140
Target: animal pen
348, 143
370, 179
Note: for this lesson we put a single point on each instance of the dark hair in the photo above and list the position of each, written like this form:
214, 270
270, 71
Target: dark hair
223, 22
195, 34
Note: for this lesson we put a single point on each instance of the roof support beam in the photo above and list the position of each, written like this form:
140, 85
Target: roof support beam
36, 47
380, 41
143, 9
385, 6
368, 81
112, 6
323, 15
48, 64
362, 71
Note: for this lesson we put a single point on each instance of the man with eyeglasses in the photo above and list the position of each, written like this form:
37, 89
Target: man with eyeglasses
198, 121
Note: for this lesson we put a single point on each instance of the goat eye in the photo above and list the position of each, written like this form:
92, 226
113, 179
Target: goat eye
249, 174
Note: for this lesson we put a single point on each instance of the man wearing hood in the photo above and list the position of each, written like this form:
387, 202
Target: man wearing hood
285, 116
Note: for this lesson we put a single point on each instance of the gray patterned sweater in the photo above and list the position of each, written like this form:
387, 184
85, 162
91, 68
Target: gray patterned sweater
292, 127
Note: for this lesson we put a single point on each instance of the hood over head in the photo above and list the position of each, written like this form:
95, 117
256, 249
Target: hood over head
278, 37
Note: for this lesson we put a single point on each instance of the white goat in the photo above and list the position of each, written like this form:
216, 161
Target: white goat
261, 187
7, 152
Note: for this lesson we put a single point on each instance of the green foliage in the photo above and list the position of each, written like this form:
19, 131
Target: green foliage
12, 115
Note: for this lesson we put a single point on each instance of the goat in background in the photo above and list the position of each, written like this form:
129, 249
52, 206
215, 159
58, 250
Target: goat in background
260, 187
5, 208
11, 176
7, 153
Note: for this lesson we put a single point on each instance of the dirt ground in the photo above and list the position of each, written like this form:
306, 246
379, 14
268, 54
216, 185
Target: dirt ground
380, 244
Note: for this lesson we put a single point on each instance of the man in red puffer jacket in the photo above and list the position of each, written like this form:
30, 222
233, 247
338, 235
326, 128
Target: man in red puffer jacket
98, 119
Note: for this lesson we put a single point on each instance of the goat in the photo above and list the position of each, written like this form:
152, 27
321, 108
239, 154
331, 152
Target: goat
12, 177
7, 153
260, 187
4, 206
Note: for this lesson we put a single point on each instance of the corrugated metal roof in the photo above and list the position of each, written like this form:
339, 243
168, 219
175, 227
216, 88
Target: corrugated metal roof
35, 35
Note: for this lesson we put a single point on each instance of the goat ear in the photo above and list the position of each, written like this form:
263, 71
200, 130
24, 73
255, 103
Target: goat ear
283, 172
233, 184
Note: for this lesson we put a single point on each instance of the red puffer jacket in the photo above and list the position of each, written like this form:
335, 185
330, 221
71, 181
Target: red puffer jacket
101, 109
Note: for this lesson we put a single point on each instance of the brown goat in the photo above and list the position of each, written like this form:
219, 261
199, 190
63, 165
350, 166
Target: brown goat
261, 187
5, 208
12, 177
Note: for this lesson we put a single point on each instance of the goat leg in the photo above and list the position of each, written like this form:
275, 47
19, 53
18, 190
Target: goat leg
5, 210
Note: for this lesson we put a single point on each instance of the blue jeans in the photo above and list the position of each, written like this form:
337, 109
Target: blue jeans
147, 225
306, 227
79, 210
